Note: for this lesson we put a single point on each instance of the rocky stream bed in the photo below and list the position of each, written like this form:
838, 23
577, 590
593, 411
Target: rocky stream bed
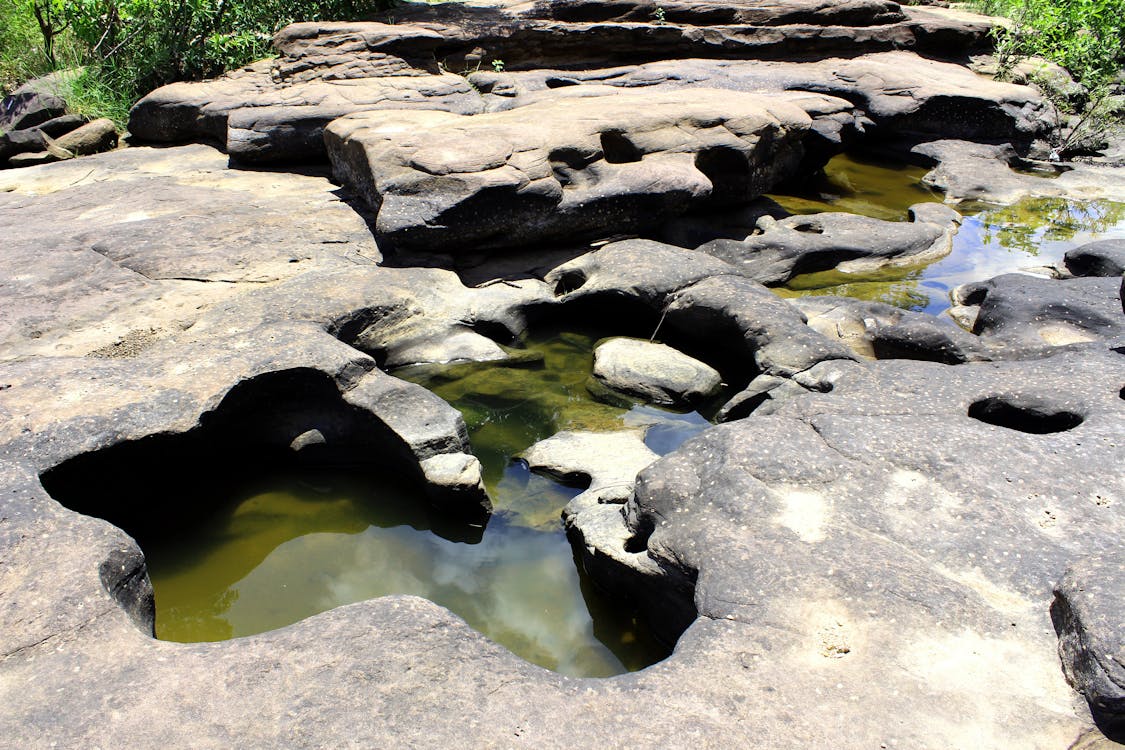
569, 374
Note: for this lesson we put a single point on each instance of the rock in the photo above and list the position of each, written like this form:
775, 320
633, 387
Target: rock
967, 171
901, 94
259, 120
839, 555
455, 479
33, 159
607, 463
1103, 258
276, 110
92, 138
881, 331
1089, 622
844, 498
26, 109
697, 302
32, 139
782, 249
617, 161
1027, 313
655, 373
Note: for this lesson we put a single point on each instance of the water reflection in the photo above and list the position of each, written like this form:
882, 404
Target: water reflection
287, 547
992, 240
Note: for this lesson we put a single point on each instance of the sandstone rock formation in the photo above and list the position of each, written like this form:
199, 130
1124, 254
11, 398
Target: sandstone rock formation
591, 168
656, 373
899, 531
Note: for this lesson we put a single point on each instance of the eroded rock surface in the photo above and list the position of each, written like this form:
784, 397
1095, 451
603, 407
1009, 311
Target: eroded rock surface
780, 250
592, 166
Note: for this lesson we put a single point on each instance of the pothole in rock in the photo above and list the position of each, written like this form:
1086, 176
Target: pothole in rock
1024, 415
241, 535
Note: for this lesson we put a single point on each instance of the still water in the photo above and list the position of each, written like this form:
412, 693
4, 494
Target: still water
992, 240
288, 547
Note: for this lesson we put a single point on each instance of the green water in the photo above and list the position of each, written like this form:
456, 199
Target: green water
992, 240
287, 547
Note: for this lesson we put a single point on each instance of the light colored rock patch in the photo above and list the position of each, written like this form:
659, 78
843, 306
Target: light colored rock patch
804, 513
656, 373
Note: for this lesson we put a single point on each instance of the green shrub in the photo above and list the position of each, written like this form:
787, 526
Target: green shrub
129, 47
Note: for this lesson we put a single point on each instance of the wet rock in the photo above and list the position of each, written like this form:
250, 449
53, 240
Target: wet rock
92, 138
655, 373
1029, 313
1088, 618
1103, 258
455, 480
782, 249
594, 165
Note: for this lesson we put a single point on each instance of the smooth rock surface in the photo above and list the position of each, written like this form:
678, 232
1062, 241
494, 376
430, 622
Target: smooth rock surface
593, 166
655, 373
1103, 258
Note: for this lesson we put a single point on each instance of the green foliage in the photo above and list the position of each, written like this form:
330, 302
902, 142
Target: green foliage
1087, 37
1084, 36
129, 47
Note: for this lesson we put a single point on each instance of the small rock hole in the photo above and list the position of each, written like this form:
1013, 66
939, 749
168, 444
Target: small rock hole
618, 149
568, 282
1033, 417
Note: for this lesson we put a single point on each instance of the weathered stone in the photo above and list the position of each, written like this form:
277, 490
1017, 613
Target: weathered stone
33, 159
656, 373
258, 120
904, 95
92, 138
26, 109
783, 249
699, 301
594, 165
1103, 258
1026, 313
881, 331
1087, 614
607, 463
974, 171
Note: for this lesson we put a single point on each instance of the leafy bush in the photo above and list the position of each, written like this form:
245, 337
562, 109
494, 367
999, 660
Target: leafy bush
129, 47
1087, 37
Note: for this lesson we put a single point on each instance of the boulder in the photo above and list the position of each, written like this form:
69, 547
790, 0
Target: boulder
32, 139
655, 373
26, 109
782, 249
1088, 618
1025, 314
614, 161
967, 171
695, 301
92, 138
1102, 258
